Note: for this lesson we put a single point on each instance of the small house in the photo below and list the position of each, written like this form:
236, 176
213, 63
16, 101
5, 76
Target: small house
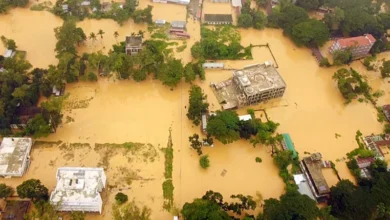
58, 91
133, 45
25, 114
178, 24
9, 53
218, 19
213, 65
160, 22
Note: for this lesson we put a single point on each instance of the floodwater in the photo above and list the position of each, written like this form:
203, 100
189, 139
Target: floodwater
33, 31
312, 111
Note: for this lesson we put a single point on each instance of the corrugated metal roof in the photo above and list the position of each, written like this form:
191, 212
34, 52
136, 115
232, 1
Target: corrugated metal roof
289, 144
213, 65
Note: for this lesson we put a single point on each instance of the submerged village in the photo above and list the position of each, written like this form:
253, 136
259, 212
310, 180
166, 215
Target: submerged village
195, 109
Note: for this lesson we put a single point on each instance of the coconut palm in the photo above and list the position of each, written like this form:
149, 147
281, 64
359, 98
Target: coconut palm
92, 36
101, 32
116, 35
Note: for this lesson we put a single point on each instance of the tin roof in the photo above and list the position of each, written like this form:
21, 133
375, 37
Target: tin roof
364, 40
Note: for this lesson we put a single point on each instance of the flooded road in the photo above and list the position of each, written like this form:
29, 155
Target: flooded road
312, 111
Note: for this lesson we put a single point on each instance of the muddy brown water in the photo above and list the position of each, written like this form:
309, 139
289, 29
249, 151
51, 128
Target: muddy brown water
312, 111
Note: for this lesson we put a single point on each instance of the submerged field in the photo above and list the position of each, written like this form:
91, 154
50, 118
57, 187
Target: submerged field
312, 111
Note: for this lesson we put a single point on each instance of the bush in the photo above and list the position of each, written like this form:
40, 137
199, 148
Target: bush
324, 62
258, 160
341, 57
92, 77
121, 198
204, 161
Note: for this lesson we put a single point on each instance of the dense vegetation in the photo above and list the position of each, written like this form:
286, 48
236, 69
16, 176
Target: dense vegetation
351, 84
33, 189
5, 5
197, 104
250, 17
222, 43
120, 12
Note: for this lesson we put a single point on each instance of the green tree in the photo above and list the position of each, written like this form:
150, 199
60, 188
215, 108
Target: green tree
33, 189
189, 73
77, 216
170, 73
121, 198
116, 35
195, 143
334, 19
283, 159
259, 19
290, 16
385, 69
197, 50
143, 15
341, 57
309, 4
310, 33
92, 36
8, 43
5, 191
197, 104
43, 211
384, 19
224, 126
245, 20
38, 127
204, 161
131, 211
68, 36
358, 22
92, 77
52, 111
203, 209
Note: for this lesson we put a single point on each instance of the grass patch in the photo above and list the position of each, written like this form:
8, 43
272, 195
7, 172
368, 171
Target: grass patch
46, 144
147, 152
181, 48
167, 185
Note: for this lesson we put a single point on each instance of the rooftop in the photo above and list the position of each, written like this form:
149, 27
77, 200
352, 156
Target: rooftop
181, 24
374, 142
314, 168
133, 41
245, 117
258, 78
78, 189
14, 153
303, 186
15, 209
364, 40
218, 17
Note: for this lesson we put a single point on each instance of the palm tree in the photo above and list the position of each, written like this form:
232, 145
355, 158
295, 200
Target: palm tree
101, 32
116, 35
92, 36
141, 33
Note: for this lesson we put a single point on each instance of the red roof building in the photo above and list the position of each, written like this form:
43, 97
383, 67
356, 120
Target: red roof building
364, 162
359, 46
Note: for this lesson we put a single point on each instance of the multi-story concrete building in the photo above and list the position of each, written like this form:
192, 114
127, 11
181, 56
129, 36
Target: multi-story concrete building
359, 46
258, 83
250, 85
133, 45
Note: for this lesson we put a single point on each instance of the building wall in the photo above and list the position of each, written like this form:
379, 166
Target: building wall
265, 95
218, 22
358, 51
133, 50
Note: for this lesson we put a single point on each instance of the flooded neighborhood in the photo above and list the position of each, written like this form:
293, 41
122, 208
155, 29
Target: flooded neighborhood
120, 135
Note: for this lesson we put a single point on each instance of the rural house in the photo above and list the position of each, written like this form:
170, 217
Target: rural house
359, 46
133, 45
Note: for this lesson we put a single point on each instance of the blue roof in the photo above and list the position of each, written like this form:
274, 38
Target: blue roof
289, 144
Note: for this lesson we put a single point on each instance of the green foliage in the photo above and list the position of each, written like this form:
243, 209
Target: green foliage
131, 211
204, 161
68, 36
197, 104
121, 198
41, 6
221, 43
92, 77
143, 15
38, 127
32, 189
203, 209
245, 20
334, 19
341, 57
283, 159
5, 191
52, 111
292, 205
168, 193
358, 22
251, 17
258, 160
5, 5
77, 216
224, 126
367, 62
195, 143
325, 62
171, 73
8, 43
309, 4
265, 134
351, 84
385, 69
44, 210
310, 33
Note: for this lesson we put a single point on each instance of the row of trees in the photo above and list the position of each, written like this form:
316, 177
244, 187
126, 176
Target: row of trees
116, 11
6, 5
221, 43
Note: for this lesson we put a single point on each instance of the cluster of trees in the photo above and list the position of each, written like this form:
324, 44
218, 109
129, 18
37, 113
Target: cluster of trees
221, 43
250, 17
385, 69
351, 84
116, 11
226, 127
198, 104
368, 200
296, 23
6, 5
212, 206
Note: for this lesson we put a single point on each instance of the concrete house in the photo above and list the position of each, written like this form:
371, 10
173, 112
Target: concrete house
218, 19
359, 46
78, 189
133, 45
14, 156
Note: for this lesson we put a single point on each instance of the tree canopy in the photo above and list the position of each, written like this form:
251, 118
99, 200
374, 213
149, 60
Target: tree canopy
197, 104
310, 33
224, 126
203, 209
33, 189
5, 191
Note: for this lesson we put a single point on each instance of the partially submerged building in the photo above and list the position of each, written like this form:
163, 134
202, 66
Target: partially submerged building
14, 156
375, 142
133, 45
58, 91
25, 114
303, 185
359, 46
386, 111
251, 85
218, 19
287, 144
213, 65
15, 209
312, 169
78, 189
245, 117
178, 25
9, 53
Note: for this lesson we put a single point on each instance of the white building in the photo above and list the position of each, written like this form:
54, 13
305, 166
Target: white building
245, 117
9, 54
14, 156
78, 189
213, 65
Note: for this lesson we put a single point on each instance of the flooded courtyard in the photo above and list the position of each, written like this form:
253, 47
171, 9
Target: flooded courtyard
312, 111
